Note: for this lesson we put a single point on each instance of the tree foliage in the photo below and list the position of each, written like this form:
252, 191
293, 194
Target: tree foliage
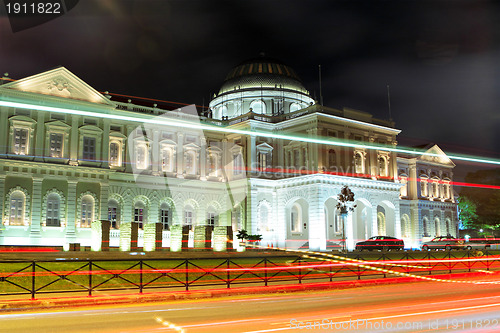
467, 213
345, 196
487, 200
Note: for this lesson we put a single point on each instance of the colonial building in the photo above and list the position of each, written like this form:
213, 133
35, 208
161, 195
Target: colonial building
428, 206
265, 158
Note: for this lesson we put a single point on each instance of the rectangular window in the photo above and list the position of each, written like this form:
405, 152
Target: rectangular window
188, 218
20, 141
263, 160
114, 154
139, 216
112, 217
86, 214
89, 145
56, 145
16, 211
52, 214
211, 219
164, 217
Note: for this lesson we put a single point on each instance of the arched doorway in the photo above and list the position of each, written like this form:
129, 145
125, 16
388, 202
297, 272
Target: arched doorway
362, 225
297, 224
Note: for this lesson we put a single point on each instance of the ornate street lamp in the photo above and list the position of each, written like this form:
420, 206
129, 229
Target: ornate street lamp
345, 196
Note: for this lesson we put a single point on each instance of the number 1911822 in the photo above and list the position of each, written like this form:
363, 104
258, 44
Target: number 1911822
32, 8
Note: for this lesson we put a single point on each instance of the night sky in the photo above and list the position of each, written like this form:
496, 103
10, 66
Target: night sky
440, 58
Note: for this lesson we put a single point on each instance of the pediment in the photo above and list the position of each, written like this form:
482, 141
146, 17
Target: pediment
57, 123
436, 155
264, 146
191, 146
59, 82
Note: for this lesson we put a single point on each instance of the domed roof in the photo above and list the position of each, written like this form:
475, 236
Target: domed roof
262, 72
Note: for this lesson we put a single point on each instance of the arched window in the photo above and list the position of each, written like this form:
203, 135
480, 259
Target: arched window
332, 159
114, 214
165, 216
382, 164
189, 216
258, 107
53, 210
212, 218
336, 225
295, 107
425, 227
115, 154
238, 164
190, 161
213, 164
403, 191
406, 225
16, 208
381, 228
448, 224
167, 160
141, 156
423, 186
359, 163
437, 227
140, 213
87, 211
263, 218
435, 188
295, 218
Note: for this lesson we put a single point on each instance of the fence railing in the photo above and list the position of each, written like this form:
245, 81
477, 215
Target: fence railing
92, 276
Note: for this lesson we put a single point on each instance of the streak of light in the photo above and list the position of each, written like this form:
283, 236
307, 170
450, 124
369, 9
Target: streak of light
169, 122
170, 325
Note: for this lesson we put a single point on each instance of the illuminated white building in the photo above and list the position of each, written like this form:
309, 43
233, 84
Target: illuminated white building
70, 155
428, 206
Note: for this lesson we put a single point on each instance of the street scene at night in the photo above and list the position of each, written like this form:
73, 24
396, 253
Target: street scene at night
249, 166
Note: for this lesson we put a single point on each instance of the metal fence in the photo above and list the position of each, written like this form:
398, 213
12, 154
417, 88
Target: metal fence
91, 276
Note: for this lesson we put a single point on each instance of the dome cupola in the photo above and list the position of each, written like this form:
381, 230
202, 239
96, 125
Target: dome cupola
260, 85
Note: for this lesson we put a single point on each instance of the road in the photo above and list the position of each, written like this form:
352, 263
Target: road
409, 307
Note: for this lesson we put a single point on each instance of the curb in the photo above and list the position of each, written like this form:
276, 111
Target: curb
19, 305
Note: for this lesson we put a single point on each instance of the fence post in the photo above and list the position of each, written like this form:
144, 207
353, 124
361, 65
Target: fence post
228, 282
187, 274
265, 272
90, 277
33, 280
140, 276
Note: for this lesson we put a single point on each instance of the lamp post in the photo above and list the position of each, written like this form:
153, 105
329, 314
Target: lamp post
345, 196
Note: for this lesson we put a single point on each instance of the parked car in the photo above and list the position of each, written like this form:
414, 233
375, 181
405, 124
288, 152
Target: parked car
478, 243
443, 243
385, 243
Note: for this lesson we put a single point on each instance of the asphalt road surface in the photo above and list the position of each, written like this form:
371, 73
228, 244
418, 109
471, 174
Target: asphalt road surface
409, 307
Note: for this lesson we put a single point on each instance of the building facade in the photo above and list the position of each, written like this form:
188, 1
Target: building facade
265, 158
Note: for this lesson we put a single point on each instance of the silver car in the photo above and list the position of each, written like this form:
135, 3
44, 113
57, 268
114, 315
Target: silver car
443, 243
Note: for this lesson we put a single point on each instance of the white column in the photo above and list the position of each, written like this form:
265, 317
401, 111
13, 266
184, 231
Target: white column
203, 158
39, 138
105, 144
103, 203
73, 152
71, 211
156, 159
36, 210
180, 155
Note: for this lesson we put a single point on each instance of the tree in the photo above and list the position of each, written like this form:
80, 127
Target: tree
345, 196
487, 200
467, 213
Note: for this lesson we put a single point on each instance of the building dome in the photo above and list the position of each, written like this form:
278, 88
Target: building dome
262, 72
260, 85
